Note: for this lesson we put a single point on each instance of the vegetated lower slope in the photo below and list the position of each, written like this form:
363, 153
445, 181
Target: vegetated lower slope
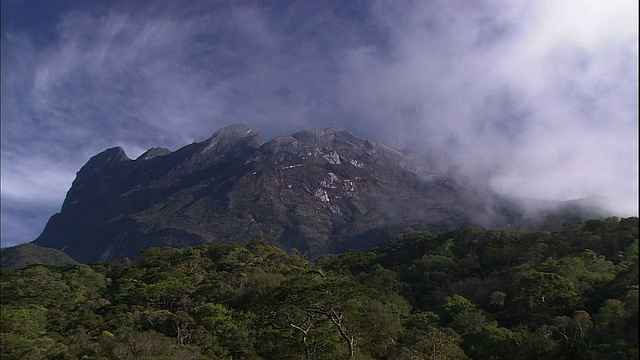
19, 256
318, 191
460, 294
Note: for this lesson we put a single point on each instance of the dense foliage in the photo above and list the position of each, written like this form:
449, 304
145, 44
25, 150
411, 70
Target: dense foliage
462, 294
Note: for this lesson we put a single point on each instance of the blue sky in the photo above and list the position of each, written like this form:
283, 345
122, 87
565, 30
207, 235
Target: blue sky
536, 98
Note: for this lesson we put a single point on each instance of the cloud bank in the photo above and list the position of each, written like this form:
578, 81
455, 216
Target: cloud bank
534, 99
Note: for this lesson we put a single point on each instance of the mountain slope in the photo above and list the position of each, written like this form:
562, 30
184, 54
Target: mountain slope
319, 191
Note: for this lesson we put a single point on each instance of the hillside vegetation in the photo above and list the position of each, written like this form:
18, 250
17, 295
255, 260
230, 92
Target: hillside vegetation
461, 294
19, 256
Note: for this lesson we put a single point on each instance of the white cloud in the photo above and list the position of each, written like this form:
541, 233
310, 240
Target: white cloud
541, 97
35, 178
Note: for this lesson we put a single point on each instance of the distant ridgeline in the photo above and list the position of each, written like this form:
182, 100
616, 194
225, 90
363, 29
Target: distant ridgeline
19, 256
460, 294
318, 191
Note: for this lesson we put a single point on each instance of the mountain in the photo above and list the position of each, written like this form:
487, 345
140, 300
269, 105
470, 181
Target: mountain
318, 191
19, 256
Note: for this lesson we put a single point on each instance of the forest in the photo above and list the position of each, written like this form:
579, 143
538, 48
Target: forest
461, 294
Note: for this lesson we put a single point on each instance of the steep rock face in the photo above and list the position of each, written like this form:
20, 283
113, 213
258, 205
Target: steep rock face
319, 191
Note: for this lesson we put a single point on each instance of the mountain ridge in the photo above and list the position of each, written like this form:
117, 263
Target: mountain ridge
318, 191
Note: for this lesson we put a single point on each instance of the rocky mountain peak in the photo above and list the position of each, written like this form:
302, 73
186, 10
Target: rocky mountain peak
235, 130
94, 177
107, 160
114, 154
319, 191
238, 136
324, 136
153, 152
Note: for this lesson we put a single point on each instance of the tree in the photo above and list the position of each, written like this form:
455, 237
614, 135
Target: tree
573, 330
490, 342
333, 299
215, 328
424, 339
545, 293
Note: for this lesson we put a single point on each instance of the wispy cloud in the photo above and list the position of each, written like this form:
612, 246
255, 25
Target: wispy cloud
537, 98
